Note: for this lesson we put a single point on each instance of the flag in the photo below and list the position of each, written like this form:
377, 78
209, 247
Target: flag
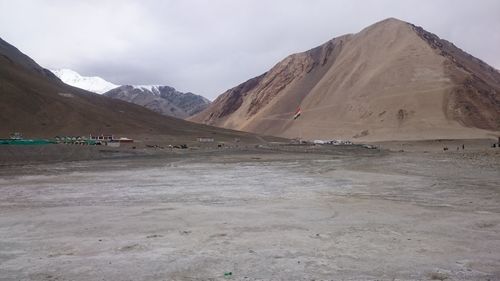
297, 113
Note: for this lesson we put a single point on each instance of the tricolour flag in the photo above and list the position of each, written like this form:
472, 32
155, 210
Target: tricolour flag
297, 113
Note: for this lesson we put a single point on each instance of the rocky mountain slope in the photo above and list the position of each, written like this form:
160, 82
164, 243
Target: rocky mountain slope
162, 99
36, 103
391, 81
92, 84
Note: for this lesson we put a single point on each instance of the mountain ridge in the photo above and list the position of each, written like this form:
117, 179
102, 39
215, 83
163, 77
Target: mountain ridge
165, 100
391, 80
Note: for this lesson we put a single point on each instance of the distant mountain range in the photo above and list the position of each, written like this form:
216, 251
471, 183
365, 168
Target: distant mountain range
391, 81
162, 99
34, 102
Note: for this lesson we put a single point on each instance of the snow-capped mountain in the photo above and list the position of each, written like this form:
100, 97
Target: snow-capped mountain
162, 99
93, 84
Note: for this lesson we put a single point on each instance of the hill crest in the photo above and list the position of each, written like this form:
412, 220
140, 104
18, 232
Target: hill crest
392, 80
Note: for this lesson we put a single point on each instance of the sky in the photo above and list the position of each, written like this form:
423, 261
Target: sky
209, 46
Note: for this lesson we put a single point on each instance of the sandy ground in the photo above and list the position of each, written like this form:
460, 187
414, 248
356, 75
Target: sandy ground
329, 214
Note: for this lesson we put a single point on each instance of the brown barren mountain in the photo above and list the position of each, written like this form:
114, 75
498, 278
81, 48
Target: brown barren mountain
36, 103
391, 81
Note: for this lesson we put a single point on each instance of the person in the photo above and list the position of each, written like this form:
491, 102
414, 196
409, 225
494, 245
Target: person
463, 146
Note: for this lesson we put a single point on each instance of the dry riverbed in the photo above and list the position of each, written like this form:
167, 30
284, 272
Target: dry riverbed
337, 214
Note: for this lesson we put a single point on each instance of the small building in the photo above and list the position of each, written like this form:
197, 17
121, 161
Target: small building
102, 137
205, 139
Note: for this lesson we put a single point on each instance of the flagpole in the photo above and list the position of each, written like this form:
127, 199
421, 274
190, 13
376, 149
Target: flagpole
300, 133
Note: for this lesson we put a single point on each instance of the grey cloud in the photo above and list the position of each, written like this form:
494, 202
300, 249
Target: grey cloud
209, 46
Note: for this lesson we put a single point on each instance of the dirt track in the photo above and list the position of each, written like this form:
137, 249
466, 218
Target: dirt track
343, 214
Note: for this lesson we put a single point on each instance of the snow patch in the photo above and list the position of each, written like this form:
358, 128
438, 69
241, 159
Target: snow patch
90, 83
155, 89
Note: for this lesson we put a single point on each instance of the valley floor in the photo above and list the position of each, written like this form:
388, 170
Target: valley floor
339, 213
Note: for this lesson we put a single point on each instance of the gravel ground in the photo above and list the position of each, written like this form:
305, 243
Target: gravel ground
337, 214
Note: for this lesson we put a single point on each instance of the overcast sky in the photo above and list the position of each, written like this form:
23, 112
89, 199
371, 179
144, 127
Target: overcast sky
209, 46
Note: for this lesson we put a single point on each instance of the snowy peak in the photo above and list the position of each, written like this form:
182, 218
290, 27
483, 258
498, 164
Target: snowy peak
162, 90
90, 83
162, 99
151, 88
